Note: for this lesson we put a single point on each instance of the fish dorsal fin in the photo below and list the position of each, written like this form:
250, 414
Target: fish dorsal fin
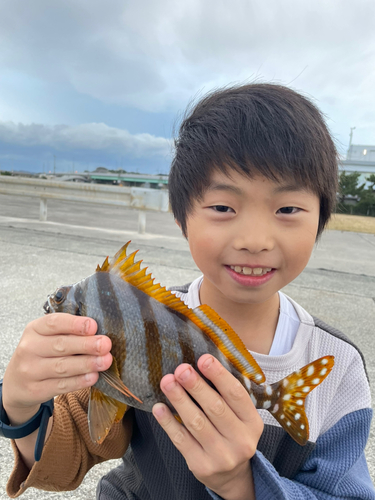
104, 267
125, 268
205, 318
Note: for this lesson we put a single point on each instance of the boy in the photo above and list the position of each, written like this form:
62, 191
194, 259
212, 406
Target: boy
252, 185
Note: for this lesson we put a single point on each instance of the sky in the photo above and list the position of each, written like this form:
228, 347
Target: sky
88, 83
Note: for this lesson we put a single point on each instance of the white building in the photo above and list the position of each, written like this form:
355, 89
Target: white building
360, 159
361, 153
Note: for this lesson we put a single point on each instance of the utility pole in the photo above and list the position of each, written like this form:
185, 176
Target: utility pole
350, 141
54, 164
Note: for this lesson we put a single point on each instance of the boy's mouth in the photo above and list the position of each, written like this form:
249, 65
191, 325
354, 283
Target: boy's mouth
251, 271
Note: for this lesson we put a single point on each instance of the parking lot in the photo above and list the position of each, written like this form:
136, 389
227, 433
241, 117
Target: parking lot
338, 286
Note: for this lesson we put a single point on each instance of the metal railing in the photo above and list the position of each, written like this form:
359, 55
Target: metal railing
133, 197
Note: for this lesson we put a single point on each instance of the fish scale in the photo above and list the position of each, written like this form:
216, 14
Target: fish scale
153, 331
142, 349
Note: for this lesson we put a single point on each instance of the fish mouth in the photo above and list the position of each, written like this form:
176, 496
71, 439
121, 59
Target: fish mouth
47, 307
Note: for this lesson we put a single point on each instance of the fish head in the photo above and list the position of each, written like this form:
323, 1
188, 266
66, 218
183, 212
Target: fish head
64, 299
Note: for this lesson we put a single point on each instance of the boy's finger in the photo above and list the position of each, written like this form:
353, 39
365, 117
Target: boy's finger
52, 324
55, 387
177, 433
70, 345
72, 366
232, 391
193, 417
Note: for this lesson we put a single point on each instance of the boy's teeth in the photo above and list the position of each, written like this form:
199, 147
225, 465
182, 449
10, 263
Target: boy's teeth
256, 271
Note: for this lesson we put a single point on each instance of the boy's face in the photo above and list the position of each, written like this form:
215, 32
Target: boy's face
251, 237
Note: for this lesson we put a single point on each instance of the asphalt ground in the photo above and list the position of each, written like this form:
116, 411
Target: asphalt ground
338, 285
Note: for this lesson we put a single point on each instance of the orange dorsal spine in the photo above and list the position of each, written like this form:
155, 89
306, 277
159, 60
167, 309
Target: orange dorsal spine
205, 318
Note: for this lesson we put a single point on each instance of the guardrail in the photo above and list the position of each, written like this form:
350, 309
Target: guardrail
138, 198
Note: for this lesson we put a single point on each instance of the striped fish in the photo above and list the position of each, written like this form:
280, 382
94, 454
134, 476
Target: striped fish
153, 331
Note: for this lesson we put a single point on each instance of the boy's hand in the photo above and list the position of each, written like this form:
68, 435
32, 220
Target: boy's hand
218, 442
57, 353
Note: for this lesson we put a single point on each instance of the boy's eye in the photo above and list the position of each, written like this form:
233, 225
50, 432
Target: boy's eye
288, 210
222, 208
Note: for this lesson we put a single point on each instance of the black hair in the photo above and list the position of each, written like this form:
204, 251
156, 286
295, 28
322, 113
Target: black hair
255, 129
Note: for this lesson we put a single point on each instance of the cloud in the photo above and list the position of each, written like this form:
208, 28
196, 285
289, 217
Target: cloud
91, 142
156, 55
151, 58
94, 136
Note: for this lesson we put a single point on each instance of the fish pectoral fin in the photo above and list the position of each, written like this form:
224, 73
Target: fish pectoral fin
178, 418
112, 377
103, 412
289, 409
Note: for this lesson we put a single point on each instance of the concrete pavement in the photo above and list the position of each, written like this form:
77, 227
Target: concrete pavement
338, 285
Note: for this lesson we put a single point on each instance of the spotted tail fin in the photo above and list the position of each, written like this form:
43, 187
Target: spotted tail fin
289, 408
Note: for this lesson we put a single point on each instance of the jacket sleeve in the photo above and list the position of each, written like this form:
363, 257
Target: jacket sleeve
69, 452
336, 468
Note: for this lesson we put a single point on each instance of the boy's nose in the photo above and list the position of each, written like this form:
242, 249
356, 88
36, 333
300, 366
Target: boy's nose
255, 238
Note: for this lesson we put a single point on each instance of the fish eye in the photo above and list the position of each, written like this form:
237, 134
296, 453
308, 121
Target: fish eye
59, 295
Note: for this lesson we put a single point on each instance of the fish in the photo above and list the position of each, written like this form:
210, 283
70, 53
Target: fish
153, 331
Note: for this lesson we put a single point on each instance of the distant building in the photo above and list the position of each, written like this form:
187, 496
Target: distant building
101, 170
361, 153
120, 177
360, 159
73, 178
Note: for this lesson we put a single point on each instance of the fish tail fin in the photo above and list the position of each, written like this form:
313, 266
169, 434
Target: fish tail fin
103, 412
289, 408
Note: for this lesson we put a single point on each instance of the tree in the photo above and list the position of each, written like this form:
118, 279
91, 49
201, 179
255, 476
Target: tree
366, 203
371, 180
348, 185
